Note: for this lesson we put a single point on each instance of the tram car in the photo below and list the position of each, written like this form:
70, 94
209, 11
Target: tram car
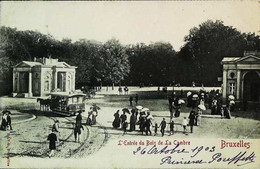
67, 104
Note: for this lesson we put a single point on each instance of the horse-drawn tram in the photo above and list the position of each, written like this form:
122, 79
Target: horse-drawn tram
67, 104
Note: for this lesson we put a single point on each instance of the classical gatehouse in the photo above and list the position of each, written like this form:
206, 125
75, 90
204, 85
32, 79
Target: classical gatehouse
241, 77
43, 76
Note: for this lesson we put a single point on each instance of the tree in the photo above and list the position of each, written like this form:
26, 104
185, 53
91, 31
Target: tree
113, 62
206, 46
153, 64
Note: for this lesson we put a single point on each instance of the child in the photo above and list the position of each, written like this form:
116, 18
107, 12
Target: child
155, 129
172, 127
184, 124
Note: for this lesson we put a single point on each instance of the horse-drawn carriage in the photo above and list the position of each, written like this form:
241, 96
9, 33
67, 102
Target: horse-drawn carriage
67, 104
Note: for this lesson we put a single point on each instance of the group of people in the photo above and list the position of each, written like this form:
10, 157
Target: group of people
144, 120
138, 117
6, 123
174, 105
120, 90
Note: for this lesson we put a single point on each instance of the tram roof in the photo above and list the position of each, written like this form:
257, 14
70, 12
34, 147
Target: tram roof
67, 94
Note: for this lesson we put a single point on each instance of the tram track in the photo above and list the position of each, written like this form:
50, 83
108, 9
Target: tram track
94, 140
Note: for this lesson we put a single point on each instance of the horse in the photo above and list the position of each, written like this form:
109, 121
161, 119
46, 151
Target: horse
44, 104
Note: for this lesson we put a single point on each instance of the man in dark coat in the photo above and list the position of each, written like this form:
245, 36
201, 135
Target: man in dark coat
172, 127
163, 126
131, 100
79, 118
192, 120
136, 99
148, 126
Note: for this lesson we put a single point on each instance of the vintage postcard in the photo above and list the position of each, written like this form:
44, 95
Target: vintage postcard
130, 84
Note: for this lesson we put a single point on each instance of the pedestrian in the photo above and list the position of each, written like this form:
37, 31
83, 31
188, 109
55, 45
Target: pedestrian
89, 121
227, 113
198, 117
142, 122
116, 122
132, 121
172, 127
136, 99
131, 100
184, 124
192, 120
155, 128
126, 90
176, 107
77, 132
163, 126
4, 122
214, 107
79, 117
148, 125
124, 126
123, 118
9, 120
120, 90
222, 112
56, 128
52, 145
94, 117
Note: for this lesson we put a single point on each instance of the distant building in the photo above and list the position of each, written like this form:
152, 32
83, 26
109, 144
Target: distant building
241, 77
43, 76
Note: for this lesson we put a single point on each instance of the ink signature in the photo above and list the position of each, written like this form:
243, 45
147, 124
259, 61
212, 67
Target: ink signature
240, 159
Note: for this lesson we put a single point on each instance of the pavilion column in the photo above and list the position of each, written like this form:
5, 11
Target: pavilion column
14, 86
224, 88
18, 82
238, 84
30, 84
55, 80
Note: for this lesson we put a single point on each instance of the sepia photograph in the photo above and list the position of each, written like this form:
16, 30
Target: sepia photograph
130, 84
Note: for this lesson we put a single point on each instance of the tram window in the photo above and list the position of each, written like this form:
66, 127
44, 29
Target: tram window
69, 100
80, 99
74, 100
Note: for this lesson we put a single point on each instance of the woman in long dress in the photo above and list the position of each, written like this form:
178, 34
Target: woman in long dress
116, 122
89, 121
198, 117
94, 117
132, 121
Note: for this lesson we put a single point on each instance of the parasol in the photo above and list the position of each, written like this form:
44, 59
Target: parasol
202, 107
195, 96
181, 101
231, 97
232, 102
145, 109
150, 117
188, 94
139, 107
126, 110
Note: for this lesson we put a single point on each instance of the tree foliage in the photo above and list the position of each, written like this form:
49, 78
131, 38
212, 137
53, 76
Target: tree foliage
111, 62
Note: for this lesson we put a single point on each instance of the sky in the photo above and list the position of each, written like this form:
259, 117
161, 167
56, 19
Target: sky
130, 22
